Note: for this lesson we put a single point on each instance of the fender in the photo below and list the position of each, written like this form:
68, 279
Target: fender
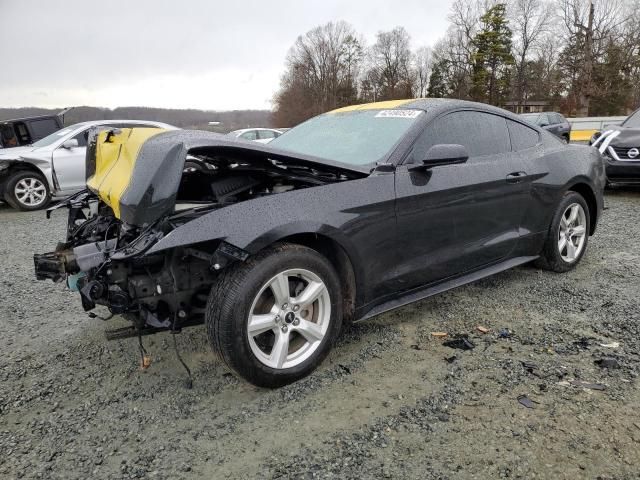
341, 211
42, 164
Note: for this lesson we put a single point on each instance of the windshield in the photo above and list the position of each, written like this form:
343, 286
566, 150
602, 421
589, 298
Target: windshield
633, 121
357, 137
55, 136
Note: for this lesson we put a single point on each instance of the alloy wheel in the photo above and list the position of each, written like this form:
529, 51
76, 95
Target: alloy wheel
289, 318
572, 232
30, 192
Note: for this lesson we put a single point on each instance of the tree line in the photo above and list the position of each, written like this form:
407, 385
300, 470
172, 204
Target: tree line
579, 57
182, 118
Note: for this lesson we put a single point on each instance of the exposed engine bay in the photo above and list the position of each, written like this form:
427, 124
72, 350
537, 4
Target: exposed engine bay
106, 259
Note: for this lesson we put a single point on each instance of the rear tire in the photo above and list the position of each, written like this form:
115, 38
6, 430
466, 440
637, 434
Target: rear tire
27, 191
568, 235
268, 336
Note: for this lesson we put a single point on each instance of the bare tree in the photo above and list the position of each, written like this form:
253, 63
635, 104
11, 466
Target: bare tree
530, 20
322, 69
391, 63
423, 64
588, 29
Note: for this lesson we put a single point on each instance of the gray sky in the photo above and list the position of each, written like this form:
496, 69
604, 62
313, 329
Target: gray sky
217, 55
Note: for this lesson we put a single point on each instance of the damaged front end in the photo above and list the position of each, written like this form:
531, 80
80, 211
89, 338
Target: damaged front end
105, 260
143, 186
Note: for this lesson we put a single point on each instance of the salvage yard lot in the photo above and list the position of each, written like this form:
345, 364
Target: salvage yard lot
390, 401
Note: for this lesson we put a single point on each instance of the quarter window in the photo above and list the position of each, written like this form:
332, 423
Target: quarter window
522, 137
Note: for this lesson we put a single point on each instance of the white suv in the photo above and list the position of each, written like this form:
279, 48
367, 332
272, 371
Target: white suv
53, 166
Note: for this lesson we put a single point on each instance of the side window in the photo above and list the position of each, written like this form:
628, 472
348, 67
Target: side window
481, 133
265, 134
8, 136
82, 138
544, 120
43, 127
250, 135
557, 118
23, 133
522, 137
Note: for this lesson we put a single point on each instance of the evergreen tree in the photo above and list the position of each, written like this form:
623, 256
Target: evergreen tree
438, 81
492, 59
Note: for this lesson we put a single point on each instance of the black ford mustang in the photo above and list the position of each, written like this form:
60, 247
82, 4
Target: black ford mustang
348, 215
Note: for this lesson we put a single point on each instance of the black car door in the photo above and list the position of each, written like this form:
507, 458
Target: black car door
456, 218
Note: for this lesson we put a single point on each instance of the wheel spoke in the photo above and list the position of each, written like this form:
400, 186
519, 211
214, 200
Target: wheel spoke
571, 250
579, 231
561, 244
310, 294
261, 323
563, 223
573, 215
280, 288
310, 331
280, 349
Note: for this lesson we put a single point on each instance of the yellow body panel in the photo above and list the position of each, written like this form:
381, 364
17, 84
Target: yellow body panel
115, 161
388, 104
582, 135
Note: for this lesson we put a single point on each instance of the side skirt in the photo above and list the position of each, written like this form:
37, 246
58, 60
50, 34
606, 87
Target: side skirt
416, 295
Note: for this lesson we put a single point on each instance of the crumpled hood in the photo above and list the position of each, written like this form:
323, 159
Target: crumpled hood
137, 171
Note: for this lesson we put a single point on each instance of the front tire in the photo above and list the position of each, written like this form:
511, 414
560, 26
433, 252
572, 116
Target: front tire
568, 235
27, 191
274, 318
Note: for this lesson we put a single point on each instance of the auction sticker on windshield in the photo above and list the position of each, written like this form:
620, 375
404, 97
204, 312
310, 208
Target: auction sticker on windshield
398, 113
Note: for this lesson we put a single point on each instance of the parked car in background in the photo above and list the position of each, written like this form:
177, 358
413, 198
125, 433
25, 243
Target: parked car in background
262, 135
620, 146
350, 214
20, 132
552, 122
53, 166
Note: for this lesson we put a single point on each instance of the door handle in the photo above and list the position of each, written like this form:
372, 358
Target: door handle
516, 177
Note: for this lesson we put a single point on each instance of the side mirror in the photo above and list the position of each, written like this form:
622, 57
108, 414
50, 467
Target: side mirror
443, 154
71, 143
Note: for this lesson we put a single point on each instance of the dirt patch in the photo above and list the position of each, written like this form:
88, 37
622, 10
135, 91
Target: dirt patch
391, 401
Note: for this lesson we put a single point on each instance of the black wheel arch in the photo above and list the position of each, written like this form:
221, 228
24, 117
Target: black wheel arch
341, 262
588, 193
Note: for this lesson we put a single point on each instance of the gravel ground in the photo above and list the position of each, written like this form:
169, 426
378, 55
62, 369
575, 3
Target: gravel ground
391, 401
